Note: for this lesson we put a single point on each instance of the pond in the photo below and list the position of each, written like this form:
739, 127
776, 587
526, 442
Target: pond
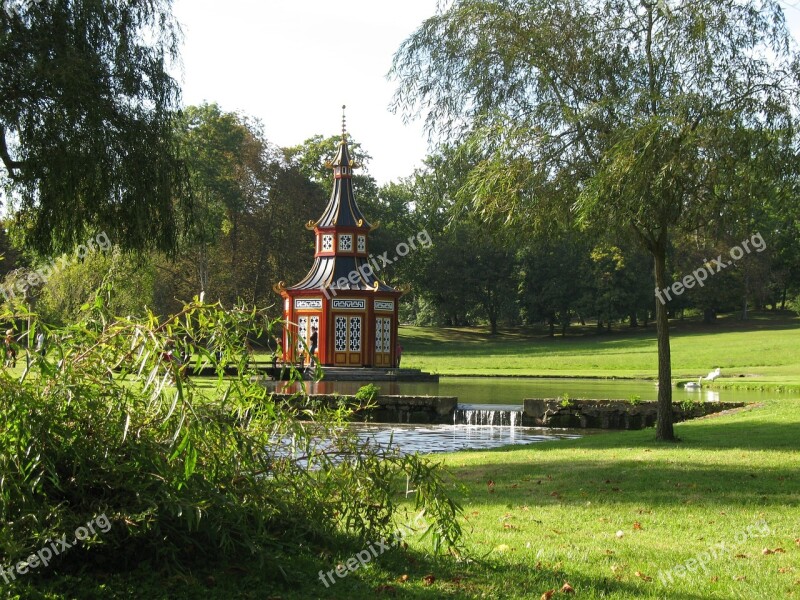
512, 390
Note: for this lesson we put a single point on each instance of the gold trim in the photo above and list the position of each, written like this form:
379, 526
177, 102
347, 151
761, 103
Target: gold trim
375, 225
311, 225
376, 286
279, 287
360, 223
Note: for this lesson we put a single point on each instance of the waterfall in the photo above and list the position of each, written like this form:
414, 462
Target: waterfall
487, 414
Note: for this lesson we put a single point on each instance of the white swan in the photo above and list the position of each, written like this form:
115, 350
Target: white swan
713, 375
691, 385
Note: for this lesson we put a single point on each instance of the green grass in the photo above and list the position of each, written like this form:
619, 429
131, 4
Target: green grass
764, 350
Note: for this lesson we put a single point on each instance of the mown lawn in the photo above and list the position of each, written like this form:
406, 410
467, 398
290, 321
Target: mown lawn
765, 350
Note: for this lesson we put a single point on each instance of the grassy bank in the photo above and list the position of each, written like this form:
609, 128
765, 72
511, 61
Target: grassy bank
763, 351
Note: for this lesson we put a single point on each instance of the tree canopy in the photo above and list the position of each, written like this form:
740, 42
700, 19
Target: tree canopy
649, 117
86, 121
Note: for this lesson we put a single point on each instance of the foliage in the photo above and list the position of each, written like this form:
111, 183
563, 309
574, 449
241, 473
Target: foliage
111, 421
566, 401
367, 393
635, 399
86, 125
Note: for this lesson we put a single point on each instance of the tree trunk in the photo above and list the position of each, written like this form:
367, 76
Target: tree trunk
664, 430
552, 327
634, 319
709, 315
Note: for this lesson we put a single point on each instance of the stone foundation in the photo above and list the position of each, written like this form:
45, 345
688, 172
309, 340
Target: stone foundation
609, 414
395, 409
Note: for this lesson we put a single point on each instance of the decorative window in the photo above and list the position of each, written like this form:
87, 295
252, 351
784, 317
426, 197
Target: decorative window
362, 243
346, 242
340, 334
387, 335
355, 334
327, 242
383, 334
302, 332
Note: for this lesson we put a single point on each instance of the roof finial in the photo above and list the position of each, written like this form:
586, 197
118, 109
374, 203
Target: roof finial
344, 124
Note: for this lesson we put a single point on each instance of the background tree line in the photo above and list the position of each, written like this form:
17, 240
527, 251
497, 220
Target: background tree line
251, 200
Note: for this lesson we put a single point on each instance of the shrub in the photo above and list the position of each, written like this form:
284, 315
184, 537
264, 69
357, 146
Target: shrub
109, 423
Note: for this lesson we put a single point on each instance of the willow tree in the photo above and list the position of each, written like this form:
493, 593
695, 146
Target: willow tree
640, 117
86, 121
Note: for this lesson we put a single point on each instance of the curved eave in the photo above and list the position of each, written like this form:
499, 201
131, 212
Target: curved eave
329, 272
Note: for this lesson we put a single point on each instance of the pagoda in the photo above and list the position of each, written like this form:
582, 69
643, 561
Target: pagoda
352, 311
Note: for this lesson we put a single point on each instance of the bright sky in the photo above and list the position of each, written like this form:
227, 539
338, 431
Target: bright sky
293, 64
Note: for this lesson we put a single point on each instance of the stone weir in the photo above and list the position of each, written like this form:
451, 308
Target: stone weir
394, 409
609, 414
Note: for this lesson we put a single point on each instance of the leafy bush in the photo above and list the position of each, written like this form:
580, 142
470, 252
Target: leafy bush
635, 399
566, 401
367, 393
109, 423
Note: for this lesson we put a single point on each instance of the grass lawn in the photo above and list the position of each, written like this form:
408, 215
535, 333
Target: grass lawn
765, 349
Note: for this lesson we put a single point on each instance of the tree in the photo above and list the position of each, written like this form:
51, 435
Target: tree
86, 122
646, 116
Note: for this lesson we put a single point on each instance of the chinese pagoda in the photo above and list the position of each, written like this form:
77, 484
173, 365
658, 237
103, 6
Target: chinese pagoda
341, 299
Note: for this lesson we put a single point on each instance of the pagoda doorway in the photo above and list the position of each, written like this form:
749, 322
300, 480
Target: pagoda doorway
348, 332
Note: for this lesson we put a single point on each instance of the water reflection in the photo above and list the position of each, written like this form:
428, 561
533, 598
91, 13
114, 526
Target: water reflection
512, 390
451, 438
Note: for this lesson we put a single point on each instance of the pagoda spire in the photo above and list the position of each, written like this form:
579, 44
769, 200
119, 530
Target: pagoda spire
342, 209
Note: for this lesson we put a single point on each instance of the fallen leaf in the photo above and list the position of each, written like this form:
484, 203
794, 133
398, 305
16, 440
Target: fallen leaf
779, 551
609, 552
797, 542
784, 569
429, 579
642, 576
567, 589
766, 551
386, 589
741, 556
715, 579
740, 578
548, 594
403, 578
615, 568
637, 525
538, 566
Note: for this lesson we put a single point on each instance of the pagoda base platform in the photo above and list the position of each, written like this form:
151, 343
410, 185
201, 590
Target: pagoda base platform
376, 374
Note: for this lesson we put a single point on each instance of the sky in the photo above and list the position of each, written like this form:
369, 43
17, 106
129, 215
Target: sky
293, 64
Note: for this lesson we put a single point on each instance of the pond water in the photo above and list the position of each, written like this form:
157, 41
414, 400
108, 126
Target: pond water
451, 438
512, 390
